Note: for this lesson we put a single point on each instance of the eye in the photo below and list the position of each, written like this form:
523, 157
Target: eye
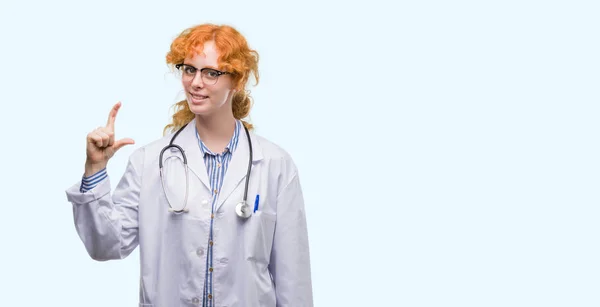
211, 73
189, 69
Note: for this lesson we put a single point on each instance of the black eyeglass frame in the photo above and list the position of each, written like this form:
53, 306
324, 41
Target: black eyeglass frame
219, 73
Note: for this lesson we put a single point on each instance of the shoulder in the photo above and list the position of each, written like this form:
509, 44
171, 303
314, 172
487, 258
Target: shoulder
276, 154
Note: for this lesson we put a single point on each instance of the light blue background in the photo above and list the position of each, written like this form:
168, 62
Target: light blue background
448, 149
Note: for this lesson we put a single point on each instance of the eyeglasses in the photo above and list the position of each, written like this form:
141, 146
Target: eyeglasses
209, 76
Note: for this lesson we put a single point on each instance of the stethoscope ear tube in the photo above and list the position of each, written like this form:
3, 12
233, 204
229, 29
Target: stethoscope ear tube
185, 209
160, 157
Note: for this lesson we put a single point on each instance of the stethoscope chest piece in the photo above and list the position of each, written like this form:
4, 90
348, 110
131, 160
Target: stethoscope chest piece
243, 210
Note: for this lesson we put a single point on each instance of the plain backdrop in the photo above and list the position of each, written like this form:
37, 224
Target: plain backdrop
448, 150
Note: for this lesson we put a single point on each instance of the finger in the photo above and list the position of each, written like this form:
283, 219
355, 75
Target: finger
122, 142
103, 136
110, 134
110, 124
96, 139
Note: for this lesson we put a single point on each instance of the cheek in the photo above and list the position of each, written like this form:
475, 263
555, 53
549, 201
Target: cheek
218, 93
186, 85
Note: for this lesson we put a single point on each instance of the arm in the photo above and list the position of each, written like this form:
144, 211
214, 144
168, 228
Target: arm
108, 225
290, 258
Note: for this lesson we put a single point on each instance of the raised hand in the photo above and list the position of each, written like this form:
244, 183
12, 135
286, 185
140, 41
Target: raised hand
101, 144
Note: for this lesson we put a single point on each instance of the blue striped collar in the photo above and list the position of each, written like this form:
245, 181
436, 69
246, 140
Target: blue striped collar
229, 148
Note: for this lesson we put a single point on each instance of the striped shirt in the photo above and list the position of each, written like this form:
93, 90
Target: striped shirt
216, 166
88, 183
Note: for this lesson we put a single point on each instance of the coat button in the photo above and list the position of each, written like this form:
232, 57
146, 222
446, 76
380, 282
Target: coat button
196, 300
200, 251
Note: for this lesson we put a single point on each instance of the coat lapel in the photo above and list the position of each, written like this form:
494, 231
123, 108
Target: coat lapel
238, 166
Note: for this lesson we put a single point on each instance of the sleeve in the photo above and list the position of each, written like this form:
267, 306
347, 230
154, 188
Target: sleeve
108, 224
290, 257
88, 183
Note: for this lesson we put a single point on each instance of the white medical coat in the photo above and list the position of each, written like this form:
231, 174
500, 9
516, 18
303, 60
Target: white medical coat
262, 261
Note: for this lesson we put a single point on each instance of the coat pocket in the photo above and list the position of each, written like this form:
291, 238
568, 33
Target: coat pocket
258, 232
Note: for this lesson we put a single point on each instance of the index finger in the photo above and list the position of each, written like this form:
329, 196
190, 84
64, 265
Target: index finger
113, 115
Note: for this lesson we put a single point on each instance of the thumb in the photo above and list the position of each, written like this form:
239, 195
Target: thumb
122, 142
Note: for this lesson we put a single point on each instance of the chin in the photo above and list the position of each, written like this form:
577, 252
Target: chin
199, 108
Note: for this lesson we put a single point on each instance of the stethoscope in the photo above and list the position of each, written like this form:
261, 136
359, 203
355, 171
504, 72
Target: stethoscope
242, 209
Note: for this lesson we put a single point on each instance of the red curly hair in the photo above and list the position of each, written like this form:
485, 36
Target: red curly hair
234, 56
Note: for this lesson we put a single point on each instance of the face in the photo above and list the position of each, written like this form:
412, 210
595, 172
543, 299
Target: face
207, 92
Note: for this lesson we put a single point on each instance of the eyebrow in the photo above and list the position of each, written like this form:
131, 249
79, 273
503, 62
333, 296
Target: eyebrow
211, 67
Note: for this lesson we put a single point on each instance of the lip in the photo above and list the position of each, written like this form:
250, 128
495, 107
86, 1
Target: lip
196, 99
198, 94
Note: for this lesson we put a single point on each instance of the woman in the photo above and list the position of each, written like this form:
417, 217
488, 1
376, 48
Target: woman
198, 247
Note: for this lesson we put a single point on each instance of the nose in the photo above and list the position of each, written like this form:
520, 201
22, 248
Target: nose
197, 81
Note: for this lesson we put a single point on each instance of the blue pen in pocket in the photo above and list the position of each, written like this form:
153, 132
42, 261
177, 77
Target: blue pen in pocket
256, 203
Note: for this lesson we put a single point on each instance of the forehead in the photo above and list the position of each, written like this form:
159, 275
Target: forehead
204, 56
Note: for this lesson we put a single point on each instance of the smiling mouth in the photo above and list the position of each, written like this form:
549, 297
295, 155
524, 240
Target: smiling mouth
198, 97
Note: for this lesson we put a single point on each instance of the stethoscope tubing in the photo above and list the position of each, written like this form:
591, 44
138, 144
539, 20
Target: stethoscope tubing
171, 145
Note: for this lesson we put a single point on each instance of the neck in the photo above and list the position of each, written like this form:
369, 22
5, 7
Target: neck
216, 130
